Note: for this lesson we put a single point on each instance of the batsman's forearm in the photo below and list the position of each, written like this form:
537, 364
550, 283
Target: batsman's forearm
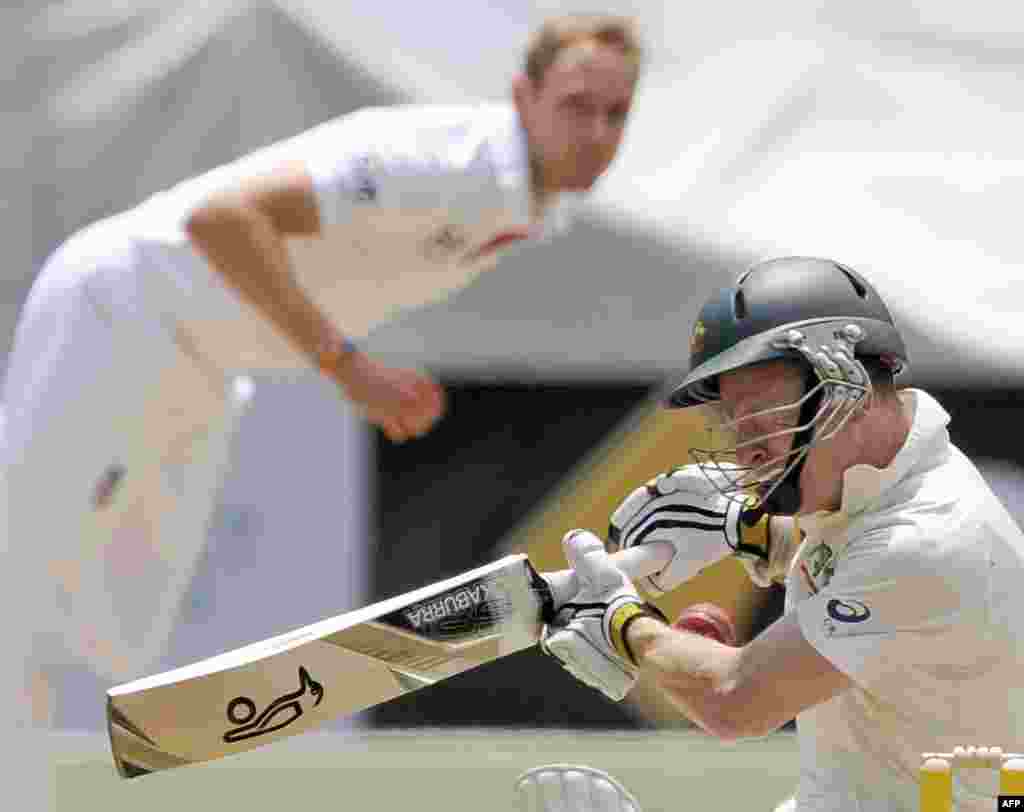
695, 672
242, 245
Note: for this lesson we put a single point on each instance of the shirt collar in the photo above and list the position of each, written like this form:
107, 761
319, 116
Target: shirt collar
864, 484
510, 152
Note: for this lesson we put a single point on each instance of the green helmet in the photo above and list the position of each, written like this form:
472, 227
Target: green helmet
752, 321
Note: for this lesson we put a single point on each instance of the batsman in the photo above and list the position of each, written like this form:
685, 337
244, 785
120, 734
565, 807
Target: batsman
902, 570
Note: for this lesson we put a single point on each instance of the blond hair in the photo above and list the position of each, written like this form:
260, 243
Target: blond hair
560, 33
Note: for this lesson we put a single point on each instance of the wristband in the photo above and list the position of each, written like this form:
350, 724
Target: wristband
620, 621
755, 540
332, 349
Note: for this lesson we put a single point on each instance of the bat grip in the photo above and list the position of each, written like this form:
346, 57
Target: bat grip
636, 562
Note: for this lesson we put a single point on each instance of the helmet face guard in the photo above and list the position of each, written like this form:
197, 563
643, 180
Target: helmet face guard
814, 311
839, 387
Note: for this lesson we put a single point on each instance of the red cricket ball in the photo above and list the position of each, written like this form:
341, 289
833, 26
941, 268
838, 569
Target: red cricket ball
708, 620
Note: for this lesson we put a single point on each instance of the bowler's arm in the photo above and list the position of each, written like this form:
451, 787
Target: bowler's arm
241, 231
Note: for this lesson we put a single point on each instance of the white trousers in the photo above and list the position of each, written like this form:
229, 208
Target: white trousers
116, 436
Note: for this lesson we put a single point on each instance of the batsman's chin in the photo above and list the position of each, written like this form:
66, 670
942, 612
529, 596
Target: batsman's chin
772, 493
757, 490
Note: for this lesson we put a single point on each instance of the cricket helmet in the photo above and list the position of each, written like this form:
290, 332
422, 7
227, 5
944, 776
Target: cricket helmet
816, 311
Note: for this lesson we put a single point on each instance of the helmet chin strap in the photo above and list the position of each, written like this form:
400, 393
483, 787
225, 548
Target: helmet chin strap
784, 500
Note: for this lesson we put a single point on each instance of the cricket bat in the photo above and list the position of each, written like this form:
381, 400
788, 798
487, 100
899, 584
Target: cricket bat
291, 683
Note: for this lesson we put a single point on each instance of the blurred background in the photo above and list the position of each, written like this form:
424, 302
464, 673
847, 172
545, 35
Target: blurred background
884, 134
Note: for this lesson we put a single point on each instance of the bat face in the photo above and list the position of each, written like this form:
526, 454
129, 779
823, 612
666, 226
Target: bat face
292, 683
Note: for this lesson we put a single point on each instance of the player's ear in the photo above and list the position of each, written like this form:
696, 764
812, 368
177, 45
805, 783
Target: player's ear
523, 92
872, 403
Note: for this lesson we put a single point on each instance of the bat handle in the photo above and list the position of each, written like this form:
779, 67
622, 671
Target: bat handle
636, 562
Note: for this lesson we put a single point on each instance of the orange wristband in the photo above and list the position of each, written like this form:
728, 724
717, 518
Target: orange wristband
332, 349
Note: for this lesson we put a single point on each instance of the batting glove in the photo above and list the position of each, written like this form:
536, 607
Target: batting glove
683, 507
588, 633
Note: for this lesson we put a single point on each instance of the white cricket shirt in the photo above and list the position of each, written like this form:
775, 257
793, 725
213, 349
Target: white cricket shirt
414, 202
914, 590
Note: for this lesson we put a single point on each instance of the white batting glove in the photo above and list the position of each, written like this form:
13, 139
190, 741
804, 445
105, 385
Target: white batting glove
682, 507
587, 632
572, 788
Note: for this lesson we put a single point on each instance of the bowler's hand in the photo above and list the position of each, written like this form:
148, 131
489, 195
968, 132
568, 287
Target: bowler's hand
404, 403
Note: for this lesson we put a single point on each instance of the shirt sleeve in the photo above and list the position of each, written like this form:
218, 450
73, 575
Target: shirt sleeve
900, 598
393, 158
341, 158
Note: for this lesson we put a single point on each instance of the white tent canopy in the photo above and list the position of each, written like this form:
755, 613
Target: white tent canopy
886, 135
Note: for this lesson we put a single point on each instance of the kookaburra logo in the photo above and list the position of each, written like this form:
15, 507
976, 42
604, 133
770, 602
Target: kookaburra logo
448, 605
278, 714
